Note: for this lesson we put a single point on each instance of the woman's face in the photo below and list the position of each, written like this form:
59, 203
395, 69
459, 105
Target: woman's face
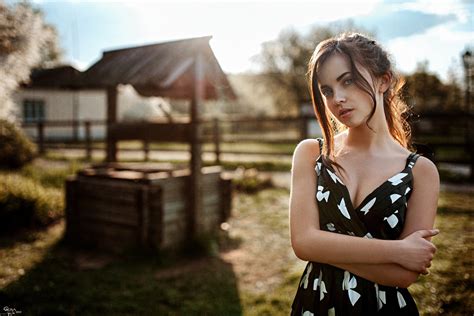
341, 94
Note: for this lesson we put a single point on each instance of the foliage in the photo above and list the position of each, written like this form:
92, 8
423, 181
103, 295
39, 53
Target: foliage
285, 62
50, 177
424, 91
26, 41
25, 204
15, 148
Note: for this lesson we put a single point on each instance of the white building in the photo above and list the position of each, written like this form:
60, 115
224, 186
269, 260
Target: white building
54, 96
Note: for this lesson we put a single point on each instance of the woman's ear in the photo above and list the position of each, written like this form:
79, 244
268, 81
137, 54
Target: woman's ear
384, 82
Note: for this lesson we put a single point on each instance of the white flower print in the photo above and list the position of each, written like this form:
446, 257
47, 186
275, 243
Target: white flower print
381, 298
322, 286
350, 284
334, 177
397, 179
367, 206
342, 207
394, 197
318, 168
401, 300
392, 219
331, 227
322, 196
305, 279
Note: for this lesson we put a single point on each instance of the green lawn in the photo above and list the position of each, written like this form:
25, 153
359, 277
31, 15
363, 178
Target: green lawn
254, 271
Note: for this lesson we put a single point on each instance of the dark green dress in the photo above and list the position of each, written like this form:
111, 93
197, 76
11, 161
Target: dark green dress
327, 290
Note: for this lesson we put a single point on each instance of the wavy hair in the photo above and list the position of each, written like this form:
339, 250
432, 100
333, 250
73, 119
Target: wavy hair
363, 51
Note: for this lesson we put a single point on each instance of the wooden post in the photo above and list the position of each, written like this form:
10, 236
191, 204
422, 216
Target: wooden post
470, 143
87, 127
304, 127
195, 198
217, 138
75, 130
146, 149
41, 137
111, 119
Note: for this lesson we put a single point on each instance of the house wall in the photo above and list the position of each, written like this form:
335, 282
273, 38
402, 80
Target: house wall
91, 105
59, 105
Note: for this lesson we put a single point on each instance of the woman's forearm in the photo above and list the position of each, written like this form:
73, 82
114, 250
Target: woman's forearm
388, 274
332, 248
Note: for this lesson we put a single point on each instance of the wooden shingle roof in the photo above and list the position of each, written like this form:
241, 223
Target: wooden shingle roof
163, 69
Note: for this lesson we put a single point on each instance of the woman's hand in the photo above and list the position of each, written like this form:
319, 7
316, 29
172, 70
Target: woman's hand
417, 252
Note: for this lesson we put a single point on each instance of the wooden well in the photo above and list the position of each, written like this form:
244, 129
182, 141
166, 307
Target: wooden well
114, 207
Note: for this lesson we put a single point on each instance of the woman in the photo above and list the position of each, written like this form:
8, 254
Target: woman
362, 205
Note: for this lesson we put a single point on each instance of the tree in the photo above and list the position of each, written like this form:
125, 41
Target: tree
424, 91
285, 60
26, 42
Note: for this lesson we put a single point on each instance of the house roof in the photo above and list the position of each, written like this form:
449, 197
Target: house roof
163, 69
64, 76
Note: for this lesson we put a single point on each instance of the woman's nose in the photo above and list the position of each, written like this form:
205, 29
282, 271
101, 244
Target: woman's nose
339, 96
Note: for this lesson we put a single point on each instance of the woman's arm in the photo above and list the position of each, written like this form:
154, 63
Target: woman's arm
312, 244
388, 274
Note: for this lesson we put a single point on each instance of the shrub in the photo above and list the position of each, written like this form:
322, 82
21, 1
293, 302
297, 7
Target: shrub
24, 203
250, 181
15, 148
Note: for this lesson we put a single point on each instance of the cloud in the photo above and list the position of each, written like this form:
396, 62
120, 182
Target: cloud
402, 23
439, 45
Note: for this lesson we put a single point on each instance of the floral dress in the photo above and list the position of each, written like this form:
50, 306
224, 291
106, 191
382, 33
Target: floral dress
327, 290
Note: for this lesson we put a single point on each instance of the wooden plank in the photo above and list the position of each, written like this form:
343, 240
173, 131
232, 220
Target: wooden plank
103, 209
156, 217
176, 132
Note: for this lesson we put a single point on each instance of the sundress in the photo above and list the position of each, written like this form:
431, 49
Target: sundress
327, 290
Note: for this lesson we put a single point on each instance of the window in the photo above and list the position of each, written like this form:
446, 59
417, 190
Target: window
33, 110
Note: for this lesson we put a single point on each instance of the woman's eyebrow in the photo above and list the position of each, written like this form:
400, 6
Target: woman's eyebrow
342, 75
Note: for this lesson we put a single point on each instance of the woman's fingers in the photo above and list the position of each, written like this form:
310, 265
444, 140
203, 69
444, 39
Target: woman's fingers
426, 233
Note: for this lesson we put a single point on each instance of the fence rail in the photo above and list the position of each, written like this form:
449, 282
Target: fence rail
435, 131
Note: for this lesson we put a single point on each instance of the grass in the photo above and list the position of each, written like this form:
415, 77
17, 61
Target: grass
254, 273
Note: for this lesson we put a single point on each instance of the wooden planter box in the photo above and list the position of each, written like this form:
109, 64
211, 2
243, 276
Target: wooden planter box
116, 208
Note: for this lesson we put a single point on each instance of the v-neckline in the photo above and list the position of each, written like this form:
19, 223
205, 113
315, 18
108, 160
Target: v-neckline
347, 194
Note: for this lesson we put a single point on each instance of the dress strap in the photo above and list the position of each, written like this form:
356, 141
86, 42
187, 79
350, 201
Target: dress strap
411, 160
320, 141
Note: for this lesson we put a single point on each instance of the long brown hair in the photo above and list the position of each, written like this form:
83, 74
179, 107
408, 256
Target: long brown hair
369, 54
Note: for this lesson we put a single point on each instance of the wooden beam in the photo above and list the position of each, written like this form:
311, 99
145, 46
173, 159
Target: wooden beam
111, 119
195, 205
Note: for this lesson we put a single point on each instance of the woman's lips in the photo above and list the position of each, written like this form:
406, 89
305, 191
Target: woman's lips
345, 113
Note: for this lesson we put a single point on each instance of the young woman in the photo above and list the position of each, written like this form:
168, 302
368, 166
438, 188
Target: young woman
362, 204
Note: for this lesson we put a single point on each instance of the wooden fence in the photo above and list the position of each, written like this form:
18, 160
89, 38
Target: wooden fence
434, 131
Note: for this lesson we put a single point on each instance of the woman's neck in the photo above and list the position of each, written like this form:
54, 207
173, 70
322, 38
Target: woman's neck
366, 141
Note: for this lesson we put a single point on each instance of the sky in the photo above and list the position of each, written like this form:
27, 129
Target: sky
412, 31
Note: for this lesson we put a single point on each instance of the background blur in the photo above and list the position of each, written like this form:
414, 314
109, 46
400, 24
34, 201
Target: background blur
56, 121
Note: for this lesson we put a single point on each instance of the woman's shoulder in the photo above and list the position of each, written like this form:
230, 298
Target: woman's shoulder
425, 168
307, 150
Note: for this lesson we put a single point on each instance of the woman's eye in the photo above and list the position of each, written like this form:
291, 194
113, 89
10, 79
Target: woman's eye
326, 93
348, 81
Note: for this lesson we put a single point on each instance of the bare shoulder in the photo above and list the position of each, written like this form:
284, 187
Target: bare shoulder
307, 150
425, 171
